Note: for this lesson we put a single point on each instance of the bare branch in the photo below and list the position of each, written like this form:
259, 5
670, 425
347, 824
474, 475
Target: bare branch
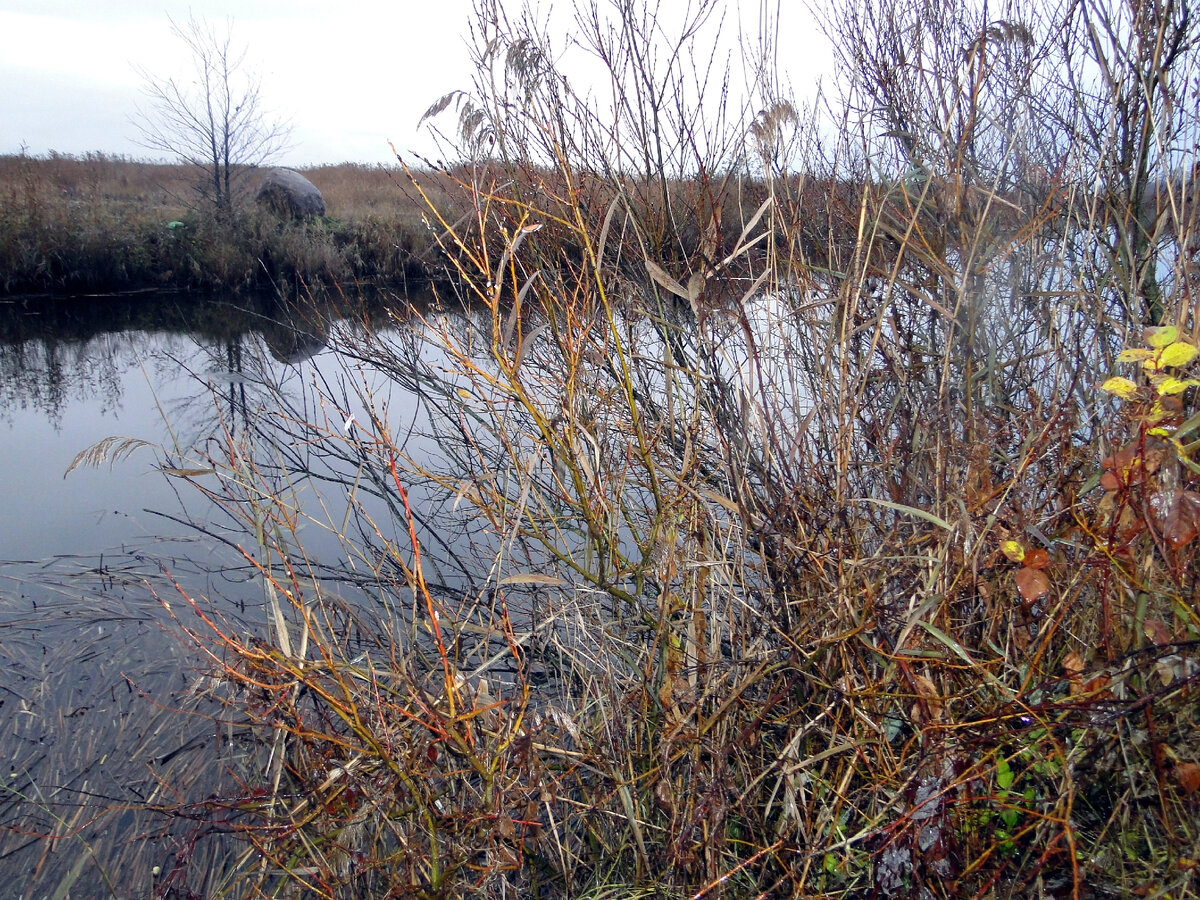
216, 119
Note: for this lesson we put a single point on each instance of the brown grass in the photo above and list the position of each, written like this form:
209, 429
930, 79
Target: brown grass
101, 224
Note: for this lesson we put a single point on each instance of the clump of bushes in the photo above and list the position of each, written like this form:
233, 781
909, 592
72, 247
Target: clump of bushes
797, 559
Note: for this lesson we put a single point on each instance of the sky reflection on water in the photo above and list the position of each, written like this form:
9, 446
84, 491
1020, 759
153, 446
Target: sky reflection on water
61, 396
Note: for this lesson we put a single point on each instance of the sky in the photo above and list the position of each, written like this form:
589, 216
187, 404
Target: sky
348, 75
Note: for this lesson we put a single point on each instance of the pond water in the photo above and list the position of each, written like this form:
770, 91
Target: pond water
94, 668
62, 393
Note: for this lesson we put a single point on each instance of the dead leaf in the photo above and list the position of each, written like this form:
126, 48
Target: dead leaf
1037, 559
1129, 467
1171, 668
1189, 777
1033, 584
1157, 632
504, 827
927, 691
1181, 523
533, 578
1021, 639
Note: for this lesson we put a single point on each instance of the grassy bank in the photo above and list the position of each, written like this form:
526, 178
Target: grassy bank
101, 224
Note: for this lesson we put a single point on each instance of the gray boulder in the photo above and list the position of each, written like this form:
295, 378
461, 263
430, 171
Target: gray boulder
289, 194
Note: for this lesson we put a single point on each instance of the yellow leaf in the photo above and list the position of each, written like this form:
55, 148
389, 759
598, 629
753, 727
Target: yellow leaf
1122, 387
1169, 385
1013, 550
1135, 354
1161, 336
1177, 354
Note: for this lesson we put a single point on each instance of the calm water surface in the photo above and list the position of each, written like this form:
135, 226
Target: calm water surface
92, 666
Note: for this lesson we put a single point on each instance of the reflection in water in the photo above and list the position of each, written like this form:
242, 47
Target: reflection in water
47, 375
85, 561
65, 352
180, 376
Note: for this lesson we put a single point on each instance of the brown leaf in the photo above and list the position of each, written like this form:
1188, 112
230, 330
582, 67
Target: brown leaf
1037, 559
1129, 466
504, 827
1170, 668
1129, 524
1181, 523
1157, 632
1032, 583
1021, 639
1072, 664
1189, 777
928, 692
664, 796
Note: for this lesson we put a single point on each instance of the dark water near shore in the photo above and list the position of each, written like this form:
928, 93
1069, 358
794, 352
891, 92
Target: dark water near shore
93, 667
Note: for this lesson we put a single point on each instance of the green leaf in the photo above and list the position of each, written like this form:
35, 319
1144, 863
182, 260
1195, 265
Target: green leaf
1004, 774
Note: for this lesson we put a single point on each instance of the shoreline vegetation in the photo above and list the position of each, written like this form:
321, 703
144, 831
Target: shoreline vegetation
100, 224
830, 531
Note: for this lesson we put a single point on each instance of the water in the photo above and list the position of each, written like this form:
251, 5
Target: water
95, 668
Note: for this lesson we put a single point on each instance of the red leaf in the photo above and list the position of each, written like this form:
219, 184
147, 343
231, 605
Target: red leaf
1032, 583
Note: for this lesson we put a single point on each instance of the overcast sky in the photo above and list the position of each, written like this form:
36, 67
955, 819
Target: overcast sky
348, 74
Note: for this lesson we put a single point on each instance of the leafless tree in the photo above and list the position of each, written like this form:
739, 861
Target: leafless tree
214, 120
